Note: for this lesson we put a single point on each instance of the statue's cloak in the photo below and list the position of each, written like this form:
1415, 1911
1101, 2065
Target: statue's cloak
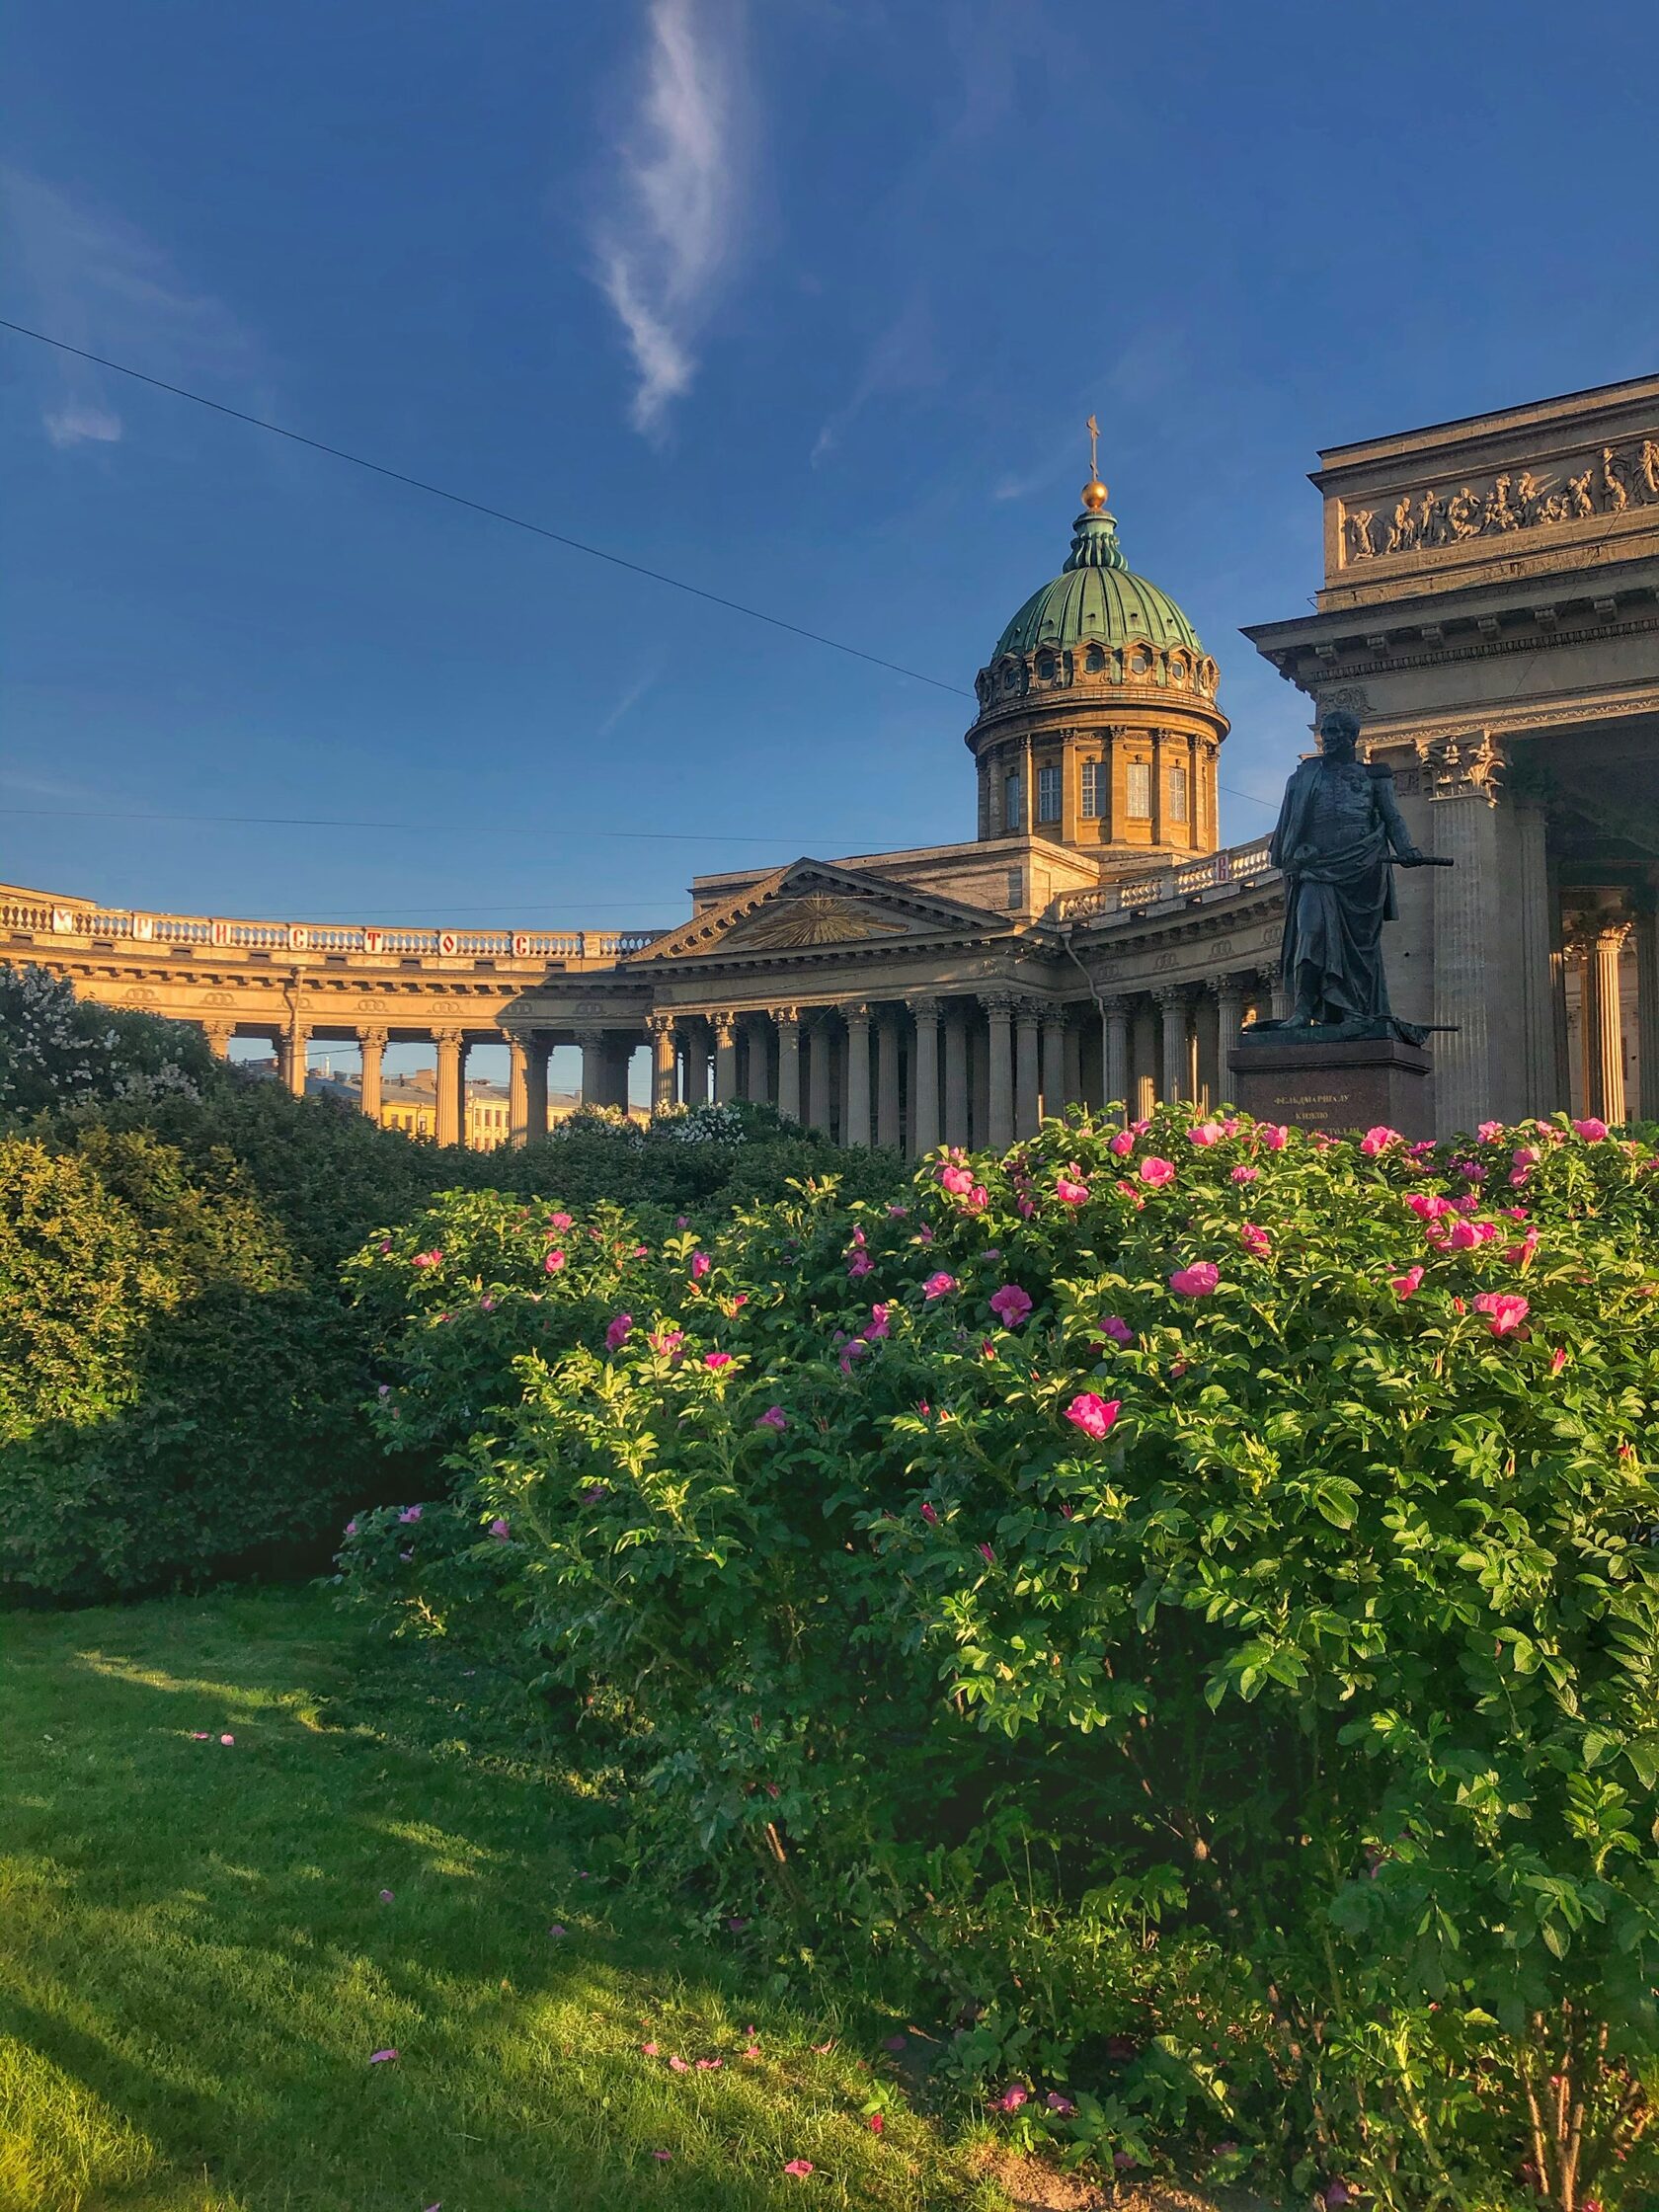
1337, 899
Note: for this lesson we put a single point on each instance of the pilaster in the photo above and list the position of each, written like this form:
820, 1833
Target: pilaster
1027, 1015
857, 1123
1114, 1017
925, 1077
1054, 1065
788, 1019
1000, 1125
1470, 950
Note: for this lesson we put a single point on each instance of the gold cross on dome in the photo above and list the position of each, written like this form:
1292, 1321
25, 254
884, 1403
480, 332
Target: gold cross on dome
1094, 428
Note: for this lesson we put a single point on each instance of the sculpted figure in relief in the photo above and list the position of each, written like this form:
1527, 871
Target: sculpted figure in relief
1650, 464
1402, 531
1614, 497
1579, 502
1358, 534
1464, 512
1430, 520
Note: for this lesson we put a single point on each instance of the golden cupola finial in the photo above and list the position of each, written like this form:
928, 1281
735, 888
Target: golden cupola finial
1094, 492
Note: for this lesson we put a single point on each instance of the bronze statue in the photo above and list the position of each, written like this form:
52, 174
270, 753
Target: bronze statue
1340, 836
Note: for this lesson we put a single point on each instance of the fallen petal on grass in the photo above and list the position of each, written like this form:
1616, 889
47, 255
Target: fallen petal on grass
380, 2057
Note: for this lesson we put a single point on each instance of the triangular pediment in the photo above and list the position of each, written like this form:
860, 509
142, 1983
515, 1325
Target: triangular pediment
810, 906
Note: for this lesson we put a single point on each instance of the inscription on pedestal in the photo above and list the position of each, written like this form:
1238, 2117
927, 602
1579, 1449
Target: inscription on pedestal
1349, 1084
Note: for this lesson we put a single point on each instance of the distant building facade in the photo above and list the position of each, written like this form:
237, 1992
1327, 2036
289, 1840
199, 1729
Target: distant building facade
1490, 612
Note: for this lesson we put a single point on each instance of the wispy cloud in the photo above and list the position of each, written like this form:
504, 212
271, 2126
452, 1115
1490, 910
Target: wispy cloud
626, 704
95, 279
669, 234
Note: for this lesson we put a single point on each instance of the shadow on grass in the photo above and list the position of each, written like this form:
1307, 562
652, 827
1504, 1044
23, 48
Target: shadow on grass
196, 1938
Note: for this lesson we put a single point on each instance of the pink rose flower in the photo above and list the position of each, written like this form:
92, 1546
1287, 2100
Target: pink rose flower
666, 1342
1505, 1309
1592, 1130
1245, 1175
879, 1324
715, 1361
929, 1514
559, 1221
1157, 1172
1255, 1239
1067, 1190
1197, 1281
1013, 2097
700, 1265
1117, 1328
1406, 1286
1379, 1139
500, 1529
987, 1555
620, 1332
1010, 1304
1092, 1414
938, 1285
1557, 1360
1060, 2105
1206, 1132
1123, 1143
553, 1262
1273, 1135
1489, 1132
410, 1513
956, 1180
426, 1259
774, 1417
858, 1265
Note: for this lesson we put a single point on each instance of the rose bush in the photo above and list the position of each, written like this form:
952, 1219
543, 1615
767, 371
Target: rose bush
1186, 1595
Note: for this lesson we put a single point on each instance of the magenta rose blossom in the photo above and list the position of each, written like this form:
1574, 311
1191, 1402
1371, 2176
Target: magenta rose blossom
1010, 1304
774, 1417
1117, 1328
1206, 1132
553, 1262
1405, 1285
1197, 1281
1094, 1415
1157, 1172
1068, 1190
1505, 1310
1593, 1131
620, 1332
1379, 1139
717, 1360
958, 1180
700, 1265
938, 1285
500, 1529
1255, 1239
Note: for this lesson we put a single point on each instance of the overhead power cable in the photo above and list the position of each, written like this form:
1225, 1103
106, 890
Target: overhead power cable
514, 521
479, 507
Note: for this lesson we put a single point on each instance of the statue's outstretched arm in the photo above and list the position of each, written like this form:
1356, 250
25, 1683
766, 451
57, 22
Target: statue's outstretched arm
1401, 843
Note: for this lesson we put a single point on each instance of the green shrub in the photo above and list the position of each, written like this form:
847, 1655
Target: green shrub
1221, 1674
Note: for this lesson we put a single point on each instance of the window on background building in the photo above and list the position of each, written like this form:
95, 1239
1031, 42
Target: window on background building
1094, 661
1138, 790
1048, 794
1016, 887
1013, 804
1177, 793
1097, 790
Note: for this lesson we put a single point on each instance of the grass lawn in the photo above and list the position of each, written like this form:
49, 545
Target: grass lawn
196, 1961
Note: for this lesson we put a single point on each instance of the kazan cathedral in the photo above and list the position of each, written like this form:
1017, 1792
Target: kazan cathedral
1489, 611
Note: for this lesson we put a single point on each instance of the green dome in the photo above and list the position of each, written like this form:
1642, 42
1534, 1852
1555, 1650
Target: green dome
1096, 596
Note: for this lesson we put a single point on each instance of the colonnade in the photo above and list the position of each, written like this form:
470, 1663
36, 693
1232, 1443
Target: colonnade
1607, 947
973, 1068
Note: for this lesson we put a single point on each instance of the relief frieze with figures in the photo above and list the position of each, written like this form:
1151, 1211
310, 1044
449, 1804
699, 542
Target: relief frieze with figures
1611, 482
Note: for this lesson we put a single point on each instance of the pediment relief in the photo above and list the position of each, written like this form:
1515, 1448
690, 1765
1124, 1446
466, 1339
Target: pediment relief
811, 904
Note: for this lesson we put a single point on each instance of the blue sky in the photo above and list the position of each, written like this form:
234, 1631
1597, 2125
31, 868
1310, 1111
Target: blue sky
805, 302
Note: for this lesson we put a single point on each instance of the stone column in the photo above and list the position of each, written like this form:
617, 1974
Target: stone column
593, 1082
725, 1028
1054, 1063
1537, 1090
1647, 1004
1470, 952
788, 1019
1159, 795
518, 1090
1027, 1014
925, 1077
1115, 1052
820, 1058
888, 1126
371, 1044
1000, 1123
957, 1116
451, 1085
536, 1050
1177, 1054
1230, 1008
663, 1069
857, 1129
1604, 1022
218, 1035
292, 1054
1275, 992
760, 1072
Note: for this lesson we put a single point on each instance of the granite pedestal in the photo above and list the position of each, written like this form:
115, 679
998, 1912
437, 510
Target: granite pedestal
1347, 1083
